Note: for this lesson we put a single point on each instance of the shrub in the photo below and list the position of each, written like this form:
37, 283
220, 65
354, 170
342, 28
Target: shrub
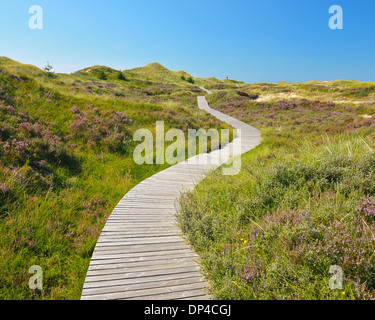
120, 76
107, 129
24, 141
274, 231
190, 80
247, 95
101, 75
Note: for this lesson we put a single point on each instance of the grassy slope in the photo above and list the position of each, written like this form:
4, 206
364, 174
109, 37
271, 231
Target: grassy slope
157, 73
304, 200
66, 160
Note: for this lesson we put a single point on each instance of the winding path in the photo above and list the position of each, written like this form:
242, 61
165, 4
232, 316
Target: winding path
140, 253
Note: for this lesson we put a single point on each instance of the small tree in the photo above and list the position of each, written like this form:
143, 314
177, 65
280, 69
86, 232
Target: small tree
48, 72
102, 75
183, 77
190, 80
120, 76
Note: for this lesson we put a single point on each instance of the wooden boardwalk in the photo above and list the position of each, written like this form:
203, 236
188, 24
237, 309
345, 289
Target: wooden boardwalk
140, 253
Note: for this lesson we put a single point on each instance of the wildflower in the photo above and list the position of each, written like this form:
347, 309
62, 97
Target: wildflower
10, 109
74, 109
43, 164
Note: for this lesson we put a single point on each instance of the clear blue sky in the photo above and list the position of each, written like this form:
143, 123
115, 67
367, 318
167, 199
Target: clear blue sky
250, 40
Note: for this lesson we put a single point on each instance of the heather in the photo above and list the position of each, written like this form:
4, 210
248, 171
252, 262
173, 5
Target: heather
304, 200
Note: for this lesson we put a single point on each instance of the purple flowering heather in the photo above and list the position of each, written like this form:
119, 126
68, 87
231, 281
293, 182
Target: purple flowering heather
10, 109
366, 208
362, 291
74, 109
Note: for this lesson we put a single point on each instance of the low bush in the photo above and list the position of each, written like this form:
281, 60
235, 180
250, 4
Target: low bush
274, 232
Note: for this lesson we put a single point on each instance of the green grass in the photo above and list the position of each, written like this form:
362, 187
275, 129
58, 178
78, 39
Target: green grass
151, 73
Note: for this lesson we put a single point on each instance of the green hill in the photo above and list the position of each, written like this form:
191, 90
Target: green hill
155, 72
20, 68
95, 69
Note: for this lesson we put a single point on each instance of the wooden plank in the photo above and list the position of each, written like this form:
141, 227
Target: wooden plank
150, 292
175, 295
95, 272
143, 263
141, 219
161, 257
142, 278
133, 243
137, 241
141, 248
136, 225
144, 255
193, 280
128, 235
197, 297
141, 273
146, 232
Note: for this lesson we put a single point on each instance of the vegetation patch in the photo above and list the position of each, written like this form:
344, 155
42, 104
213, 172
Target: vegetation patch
303, 202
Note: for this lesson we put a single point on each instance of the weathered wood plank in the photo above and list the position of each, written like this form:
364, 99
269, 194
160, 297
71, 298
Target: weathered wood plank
161, 257
137, 267
125, 265
127, 235
134, 273
157, 240
141, 248
149, 286
197, 297
182, 290
144, 255
175, 295
141, 278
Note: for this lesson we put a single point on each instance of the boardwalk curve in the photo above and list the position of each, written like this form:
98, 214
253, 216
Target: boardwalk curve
140, 253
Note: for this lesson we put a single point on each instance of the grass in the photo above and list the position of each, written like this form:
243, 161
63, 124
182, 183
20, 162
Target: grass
66, 159
304, 200
151, 73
